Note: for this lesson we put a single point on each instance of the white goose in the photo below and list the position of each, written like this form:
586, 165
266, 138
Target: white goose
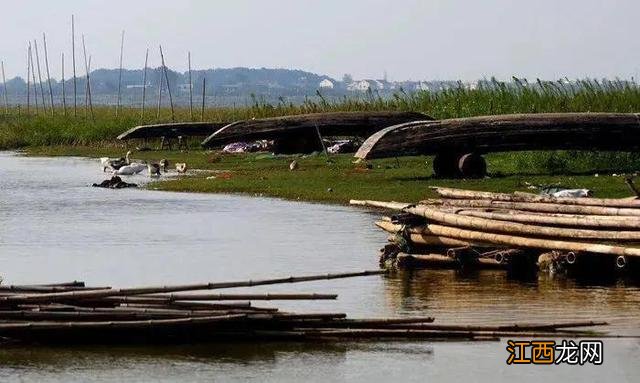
112, 163
181, 167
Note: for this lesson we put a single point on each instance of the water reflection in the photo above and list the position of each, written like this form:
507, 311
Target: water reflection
54, 228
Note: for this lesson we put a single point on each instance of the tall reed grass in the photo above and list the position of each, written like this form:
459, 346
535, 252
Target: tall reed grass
17, 129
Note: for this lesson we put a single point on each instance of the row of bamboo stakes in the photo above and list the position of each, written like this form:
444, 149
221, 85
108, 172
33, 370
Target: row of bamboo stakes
75, 313
32, 83
482, 222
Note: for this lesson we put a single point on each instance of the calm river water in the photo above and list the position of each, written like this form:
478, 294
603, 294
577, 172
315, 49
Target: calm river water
54, 227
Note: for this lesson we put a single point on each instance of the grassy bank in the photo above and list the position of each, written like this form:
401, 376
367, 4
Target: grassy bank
337, 181
17, 129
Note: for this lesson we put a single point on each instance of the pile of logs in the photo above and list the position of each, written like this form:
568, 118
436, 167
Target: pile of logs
70, 313
499, 230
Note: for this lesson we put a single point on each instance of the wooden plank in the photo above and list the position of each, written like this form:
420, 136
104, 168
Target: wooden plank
329, 124
184, 129
512, 132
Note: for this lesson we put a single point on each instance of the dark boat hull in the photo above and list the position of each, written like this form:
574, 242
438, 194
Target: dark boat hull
514, 132
184, 129
300, 127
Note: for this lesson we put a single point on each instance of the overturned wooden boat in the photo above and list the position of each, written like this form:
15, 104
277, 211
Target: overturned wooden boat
459, 143
172, 130
299, 133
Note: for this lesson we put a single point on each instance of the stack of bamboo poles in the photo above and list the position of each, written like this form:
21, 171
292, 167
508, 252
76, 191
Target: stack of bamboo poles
484, 229
75, 313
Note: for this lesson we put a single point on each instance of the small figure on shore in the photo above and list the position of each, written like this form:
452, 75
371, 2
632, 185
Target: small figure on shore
114, 183
293, 165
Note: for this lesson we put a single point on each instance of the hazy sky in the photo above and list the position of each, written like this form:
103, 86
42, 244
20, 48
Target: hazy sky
410, 39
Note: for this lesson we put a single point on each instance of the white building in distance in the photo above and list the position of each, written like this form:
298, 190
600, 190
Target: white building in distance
326, 84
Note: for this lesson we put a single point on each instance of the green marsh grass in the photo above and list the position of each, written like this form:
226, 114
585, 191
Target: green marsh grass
338, 181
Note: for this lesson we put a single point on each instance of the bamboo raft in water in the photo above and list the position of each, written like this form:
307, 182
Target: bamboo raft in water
74, 313
592, 235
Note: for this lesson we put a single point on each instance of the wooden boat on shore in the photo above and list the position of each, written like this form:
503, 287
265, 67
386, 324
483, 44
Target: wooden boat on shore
298, 133
459, 143
172, 130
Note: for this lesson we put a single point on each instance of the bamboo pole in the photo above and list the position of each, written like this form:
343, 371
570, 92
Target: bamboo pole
234, 297
41, 326
489, 225
160, 92
526, 242
555, 219
88, 316
88, 70
33, 76
510, 327
28, 79
44, 104
64, 93
166, 75
93, 294
536, 207
204, 88
73, 59
422, 334
46, 62
4, 84
46, 288
144, 83
432, 260
527, 197
380, 204
120, 75
190, 88
416, 236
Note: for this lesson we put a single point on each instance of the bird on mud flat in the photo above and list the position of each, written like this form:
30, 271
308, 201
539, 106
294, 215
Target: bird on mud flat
293, 165
164, 164
154, 170
181, 167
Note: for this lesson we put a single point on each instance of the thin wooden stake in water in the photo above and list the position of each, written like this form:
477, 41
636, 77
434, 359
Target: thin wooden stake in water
73, 59
46, 62
144, 83
190, 88
64, 94
204, 89
4, 83
120, 74
166, 76
44, 104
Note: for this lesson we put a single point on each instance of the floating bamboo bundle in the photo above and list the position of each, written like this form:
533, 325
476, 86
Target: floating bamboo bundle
524, 225
74, 313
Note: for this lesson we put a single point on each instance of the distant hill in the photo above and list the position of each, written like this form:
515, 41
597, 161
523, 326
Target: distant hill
243, 86
226, 86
